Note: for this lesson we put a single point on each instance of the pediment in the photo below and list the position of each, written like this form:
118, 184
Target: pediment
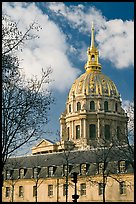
44, 143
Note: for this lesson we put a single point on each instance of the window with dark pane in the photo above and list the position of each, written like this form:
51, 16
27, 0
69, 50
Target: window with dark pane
70, 108
64, 189
50, 190
116, 107
7, 191
100, 186
77, 131
83, 189
107, 132
92, 106
122, 187
105, 105
78, 106
92, 131
34, 191
68, 132
21, 191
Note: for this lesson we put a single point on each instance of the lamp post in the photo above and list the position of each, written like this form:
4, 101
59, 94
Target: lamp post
74, 180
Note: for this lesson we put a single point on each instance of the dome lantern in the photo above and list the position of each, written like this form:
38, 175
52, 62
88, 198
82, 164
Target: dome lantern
93, 54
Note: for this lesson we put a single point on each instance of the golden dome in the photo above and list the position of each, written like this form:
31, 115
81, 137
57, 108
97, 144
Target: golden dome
93, 82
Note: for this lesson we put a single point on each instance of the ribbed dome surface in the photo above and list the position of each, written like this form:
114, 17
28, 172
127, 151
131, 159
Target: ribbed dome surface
94, 83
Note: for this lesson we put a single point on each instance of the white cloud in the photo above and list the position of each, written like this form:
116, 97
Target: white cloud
114, 37
49, 50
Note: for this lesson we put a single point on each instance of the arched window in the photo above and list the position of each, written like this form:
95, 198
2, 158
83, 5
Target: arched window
116, 107
93, 58
92, 106
78, 106
107, 132
105, 105
92, 131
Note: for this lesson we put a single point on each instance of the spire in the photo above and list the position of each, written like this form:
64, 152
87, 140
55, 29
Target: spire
93, 55
92, 36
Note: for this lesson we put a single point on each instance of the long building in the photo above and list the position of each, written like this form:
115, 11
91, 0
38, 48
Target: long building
94, 144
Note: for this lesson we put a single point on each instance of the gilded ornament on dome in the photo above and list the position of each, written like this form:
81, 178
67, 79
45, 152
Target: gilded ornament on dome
80, 86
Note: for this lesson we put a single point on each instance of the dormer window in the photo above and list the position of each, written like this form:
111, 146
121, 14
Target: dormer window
21, 173
51, 170
8, 174
100, 168
84, 168
36, 171
65, 167
122, 166
78, 106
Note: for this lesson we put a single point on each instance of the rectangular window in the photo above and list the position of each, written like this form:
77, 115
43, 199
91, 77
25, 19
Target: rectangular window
34, 191
122, 167
77, 131
7, 192
92, 106
21, 191
50, 190
107, 132
82, 189
100, 188
106, 106
92, 131
122, 187
64, 189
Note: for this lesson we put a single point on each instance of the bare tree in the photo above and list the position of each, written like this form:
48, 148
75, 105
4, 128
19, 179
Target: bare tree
25, 103
66, 147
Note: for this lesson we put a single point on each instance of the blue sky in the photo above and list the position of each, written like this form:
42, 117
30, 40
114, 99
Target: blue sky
64, 40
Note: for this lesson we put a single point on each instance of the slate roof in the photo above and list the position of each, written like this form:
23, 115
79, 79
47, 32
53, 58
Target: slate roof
75, 158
